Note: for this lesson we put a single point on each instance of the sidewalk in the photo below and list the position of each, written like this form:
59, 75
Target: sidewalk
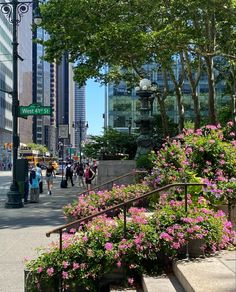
24, 229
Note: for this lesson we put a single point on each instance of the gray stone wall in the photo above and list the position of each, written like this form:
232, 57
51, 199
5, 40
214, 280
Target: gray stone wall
111, 169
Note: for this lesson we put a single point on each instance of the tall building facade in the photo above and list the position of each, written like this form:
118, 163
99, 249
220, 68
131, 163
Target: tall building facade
24, 36
36, 83
80, 123
122, 105
43, 92
5, 81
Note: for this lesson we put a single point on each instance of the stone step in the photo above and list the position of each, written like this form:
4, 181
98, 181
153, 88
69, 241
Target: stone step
121, 289
213, 274
163, 283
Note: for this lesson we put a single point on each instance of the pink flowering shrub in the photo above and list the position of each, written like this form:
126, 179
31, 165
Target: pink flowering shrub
101, 246
207, 155
94, 202
176, 227
97, 249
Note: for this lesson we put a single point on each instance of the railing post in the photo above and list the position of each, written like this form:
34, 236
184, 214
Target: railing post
60, 241
60, 248
186, 198
186, 214
125, 213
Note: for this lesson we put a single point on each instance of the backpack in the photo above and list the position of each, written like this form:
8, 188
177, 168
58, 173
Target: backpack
68, 170
80, 170
32, 176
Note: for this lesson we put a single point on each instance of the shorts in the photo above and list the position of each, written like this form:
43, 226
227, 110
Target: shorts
49, 178
88, 181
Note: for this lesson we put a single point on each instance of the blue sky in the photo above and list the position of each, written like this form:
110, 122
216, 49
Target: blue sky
95, 107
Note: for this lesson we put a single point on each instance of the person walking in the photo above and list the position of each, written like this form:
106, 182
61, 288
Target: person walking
39, 171
89, 176
34, 186
80, 174
95, 170
50, 173
69, 173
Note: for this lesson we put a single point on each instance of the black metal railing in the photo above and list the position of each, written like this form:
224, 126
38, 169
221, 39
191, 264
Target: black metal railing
124, 205
108, 185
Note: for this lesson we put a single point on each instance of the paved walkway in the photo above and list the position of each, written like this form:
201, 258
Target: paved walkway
24, 229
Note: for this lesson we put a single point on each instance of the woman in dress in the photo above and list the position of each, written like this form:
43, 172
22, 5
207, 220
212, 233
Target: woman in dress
89, 176
50, 173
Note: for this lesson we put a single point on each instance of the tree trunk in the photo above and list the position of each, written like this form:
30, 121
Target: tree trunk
164, 119
194, 79
196, 108
180, 106
210, 46
178, 82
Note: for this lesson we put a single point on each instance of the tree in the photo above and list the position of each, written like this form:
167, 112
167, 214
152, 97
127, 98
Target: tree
112, 145
128, 34
38, 147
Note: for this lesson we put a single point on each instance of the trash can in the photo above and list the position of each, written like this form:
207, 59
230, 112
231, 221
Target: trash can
22, 177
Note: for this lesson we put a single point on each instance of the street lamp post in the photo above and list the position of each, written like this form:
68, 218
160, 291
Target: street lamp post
81, 125
145, 90
14, 11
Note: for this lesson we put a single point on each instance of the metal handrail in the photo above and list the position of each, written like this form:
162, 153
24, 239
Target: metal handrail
114, 180
124, 205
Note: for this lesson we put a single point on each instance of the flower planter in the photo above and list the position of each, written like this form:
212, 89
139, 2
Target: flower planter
46, 287
230, 212
193, 250
117, 276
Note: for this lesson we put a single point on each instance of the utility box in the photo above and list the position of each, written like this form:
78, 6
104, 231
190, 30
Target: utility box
22, 175
21, 170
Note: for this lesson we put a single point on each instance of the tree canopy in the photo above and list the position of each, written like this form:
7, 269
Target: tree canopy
124, 35
133, 32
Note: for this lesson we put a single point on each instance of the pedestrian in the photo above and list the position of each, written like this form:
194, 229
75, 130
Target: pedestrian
69, 173
50, 173
95, 170
89, 176
80, 174
34, 186
39, 171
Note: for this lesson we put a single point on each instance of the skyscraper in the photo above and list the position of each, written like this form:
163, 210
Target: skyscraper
80, 124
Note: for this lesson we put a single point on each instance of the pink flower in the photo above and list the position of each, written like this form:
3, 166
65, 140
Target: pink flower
40, 269
166, 236
108, 246
85, 238
72, 230
118, 264
50, 272
65, 264
130, 281
65, 275
175, 245
75, 266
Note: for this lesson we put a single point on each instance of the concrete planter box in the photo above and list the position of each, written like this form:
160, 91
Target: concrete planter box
232, 215
115, 277
194, 249
111, 169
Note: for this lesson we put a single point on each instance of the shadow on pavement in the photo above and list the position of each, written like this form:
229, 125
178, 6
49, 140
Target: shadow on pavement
48, 212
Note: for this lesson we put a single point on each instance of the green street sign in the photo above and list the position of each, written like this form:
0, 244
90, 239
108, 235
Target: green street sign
35, 109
